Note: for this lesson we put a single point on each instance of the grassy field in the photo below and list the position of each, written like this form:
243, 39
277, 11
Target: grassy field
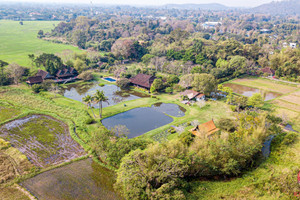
17, 41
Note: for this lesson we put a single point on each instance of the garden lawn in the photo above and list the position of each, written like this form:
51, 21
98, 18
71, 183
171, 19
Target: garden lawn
17, 41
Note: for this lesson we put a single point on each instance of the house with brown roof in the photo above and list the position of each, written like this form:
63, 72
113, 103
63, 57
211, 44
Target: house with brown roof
192, 95
62, 76
34, 80
207, 128
143, 81
44, 74
268, 70
66, 73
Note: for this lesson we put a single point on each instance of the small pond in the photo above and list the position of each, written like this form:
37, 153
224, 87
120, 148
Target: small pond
249, 91
113, 92
80, 180
142, 120
109, 79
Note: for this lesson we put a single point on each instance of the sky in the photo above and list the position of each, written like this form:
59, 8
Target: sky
232, 3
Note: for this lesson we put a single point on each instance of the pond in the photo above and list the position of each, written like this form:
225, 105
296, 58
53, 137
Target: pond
80, 180
109, 79
142, 120
249, 91
113, 92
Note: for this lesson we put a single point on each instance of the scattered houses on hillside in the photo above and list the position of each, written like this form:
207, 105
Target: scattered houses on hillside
66, 74
143, 81
205, 129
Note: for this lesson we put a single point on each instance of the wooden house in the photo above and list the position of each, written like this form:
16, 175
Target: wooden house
208, 128
44, 74
143, 81
66, 73
192, 95
34, 80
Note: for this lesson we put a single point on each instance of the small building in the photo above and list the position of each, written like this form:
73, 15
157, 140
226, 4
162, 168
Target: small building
143, 81
208, 128
192, 95
293, 45
45, 75
208, 25
34, 80
268, 70
265, 31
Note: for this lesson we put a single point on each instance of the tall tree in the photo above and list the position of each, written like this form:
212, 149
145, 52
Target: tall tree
15, 72
99, 98
88, 100
2, 65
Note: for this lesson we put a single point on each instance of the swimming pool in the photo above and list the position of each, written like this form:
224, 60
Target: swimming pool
109, 79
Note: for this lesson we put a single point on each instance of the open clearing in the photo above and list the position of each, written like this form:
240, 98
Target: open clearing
44, 140
265, 84
17, 41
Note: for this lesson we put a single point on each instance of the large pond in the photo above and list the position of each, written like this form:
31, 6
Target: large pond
80, 180
113, 92
249, 91
142, 120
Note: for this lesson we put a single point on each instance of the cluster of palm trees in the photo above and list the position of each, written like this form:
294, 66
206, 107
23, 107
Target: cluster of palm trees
99, 98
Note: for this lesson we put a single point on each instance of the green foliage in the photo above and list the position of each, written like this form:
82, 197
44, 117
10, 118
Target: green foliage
226, 124
186, 138
256, 100
157, 85
111, 149
204, 83
154, 173
86, 76
123, 83
36, 88
172, 79
50, 62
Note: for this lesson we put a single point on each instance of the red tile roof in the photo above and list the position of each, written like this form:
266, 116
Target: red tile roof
208, 127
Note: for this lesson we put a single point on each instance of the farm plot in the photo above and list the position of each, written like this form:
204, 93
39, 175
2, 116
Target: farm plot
7, 112
266, 85
44, 140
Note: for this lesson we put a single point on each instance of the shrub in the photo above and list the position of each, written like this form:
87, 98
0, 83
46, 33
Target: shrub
123, 83
101, 84
169, 90
87, 76
37, 88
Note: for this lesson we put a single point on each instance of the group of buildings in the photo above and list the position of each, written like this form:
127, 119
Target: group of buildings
66, 74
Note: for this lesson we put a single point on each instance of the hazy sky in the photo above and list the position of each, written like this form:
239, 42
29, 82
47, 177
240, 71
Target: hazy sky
236, 3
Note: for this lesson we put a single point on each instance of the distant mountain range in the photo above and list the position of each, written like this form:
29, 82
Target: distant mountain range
286, 7
210, 6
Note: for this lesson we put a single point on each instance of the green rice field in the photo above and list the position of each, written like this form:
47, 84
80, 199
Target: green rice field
17, 41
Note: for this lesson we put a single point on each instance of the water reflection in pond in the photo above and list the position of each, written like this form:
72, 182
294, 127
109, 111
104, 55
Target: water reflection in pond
113, 92
80, 180
142, 120
169, 109
248, 91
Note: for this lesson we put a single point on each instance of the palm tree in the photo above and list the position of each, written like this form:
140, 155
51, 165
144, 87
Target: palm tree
89, 100
100, 97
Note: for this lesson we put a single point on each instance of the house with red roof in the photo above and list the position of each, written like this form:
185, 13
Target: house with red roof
206, 129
